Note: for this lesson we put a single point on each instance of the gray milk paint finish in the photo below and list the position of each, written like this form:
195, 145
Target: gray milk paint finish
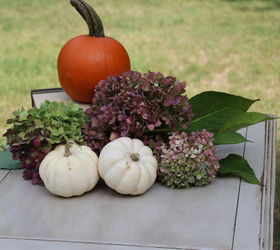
254, 224
23, 244
161, 217
199, 218
3, 174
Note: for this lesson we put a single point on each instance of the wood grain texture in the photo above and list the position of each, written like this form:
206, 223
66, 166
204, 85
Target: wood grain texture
254, 223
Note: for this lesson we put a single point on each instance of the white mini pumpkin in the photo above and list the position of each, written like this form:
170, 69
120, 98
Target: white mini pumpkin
127, 166
69, 170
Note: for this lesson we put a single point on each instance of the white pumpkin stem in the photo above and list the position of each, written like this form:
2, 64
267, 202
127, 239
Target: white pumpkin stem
135, 156
67, 149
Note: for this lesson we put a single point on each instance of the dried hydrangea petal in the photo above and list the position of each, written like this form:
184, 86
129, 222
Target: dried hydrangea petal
187, 160
132, 103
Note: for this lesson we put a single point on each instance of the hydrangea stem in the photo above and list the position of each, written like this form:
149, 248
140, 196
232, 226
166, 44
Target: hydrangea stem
93, 21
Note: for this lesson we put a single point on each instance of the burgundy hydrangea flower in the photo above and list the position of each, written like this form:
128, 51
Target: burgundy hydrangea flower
187, 160
132, 103
31, 159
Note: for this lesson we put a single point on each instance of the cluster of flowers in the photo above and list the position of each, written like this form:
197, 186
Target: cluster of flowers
187, 160
143, 106
35, 132
132, 103
31, 156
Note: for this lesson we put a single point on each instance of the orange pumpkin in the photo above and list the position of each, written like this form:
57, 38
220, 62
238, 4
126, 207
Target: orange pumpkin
86, 59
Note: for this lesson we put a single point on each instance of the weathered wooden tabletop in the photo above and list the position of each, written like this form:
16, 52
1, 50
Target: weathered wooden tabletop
228, 214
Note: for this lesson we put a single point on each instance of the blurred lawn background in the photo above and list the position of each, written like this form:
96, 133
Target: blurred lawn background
223, 45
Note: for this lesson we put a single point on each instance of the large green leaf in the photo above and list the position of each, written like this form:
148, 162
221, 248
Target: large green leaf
236, 165
213, 109
213, 121
229, 138
209, 102
242, 120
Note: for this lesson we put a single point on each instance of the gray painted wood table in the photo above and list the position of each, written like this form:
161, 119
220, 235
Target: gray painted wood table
228, 214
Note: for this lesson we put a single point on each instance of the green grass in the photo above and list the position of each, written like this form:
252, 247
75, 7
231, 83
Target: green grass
231, 46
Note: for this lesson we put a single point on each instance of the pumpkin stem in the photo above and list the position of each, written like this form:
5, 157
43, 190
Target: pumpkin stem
67, 149
90, 16
135, 156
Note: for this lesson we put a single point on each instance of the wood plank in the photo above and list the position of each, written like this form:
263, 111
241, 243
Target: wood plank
3, 174
273, 169
254, 216
27, 244
266, 237
161, 217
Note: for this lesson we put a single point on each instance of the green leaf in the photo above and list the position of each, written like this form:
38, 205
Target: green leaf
210, 101
236, 165
213, 109
243, 120
7, 161
229, 138
213, 121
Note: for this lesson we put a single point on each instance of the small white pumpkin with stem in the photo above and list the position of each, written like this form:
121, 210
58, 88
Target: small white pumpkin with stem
69, 170
127, 166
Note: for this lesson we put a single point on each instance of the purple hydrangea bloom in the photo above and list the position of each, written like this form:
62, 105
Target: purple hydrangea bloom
187, 160
132, 103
